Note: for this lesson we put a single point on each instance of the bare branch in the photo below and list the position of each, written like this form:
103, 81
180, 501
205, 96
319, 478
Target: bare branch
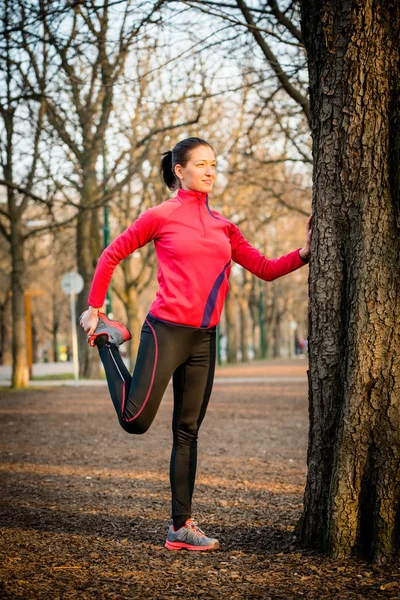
249, 26
281, 18
25, 191
5, 233
50, 227
274, 63
5, 214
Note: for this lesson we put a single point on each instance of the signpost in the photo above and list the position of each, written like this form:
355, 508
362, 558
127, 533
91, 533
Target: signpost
72, 284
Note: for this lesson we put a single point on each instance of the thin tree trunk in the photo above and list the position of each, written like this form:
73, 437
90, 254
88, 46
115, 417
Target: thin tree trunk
134, 324
20, 374
242, 296
277, 336
88, 252
56, 325
352, 496
270, 305
34, 342
254, 307
230, 315
5, 331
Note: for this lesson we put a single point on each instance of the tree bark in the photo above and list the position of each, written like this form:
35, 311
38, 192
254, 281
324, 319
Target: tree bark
352, 497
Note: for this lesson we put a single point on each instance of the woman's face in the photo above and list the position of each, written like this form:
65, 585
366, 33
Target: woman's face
199, 172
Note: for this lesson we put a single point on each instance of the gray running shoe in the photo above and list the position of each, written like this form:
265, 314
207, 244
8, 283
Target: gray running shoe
190, 537
116, 332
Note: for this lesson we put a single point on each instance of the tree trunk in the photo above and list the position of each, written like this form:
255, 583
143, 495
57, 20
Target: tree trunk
244, 318
254, 307
35, 343
352, 497
242, 295
134, 324
270, 307
20, 374
56, 325
5, 331
88, 252
230, 314
277, 336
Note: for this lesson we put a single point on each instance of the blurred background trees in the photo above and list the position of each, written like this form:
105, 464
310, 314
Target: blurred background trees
91, 96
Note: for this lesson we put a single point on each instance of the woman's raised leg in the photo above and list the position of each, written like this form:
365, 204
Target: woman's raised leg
163, 347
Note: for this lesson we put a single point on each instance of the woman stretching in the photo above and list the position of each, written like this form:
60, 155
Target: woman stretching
194, 246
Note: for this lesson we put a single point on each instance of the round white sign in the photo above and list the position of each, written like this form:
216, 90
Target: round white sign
72, 283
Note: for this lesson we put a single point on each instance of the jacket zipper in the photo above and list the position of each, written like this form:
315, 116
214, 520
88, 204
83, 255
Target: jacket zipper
201, 219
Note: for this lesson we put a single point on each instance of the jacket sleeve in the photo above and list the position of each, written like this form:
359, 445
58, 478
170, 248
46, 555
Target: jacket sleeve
251, 259
142, 231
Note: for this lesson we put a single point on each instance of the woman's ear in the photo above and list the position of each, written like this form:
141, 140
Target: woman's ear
178, 172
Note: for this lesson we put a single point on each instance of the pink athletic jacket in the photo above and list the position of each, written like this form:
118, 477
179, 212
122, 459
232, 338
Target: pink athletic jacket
194, 247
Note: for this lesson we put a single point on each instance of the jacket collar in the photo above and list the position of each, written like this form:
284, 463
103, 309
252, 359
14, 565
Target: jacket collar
191, 195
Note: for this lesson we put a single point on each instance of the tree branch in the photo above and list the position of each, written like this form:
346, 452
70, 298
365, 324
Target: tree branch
274, 63
281, 18
26, 192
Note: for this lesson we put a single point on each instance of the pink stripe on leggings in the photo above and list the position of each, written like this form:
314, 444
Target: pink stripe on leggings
151, 382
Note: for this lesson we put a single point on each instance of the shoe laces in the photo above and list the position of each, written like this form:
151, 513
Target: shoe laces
193, 525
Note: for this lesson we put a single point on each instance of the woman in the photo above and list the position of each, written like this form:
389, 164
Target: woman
194, 246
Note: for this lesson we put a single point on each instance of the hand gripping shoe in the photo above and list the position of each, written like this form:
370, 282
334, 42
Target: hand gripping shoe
116, 332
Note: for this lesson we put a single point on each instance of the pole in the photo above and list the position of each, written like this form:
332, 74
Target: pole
74, 339
106, 229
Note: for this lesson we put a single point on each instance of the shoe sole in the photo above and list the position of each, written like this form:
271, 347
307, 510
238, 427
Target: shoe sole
183, 546
126, 335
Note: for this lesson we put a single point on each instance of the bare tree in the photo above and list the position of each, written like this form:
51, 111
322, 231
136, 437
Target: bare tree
266, 42
20, 115
89, 50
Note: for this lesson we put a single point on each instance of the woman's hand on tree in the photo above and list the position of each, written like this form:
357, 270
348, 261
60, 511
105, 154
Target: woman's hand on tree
305, 251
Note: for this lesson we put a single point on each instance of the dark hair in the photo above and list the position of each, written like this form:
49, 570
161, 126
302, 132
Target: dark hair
179, 155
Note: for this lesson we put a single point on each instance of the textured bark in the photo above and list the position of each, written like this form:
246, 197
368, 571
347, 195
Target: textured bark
352, 497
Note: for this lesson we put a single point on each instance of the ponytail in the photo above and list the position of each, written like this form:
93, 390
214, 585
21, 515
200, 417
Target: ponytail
166, 171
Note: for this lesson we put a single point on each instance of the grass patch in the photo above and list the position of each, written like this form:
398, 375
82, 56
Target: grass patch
63, 377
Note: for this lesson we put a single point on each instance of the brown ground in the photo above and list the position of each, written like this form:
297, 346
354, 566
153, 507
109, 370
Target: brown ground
85, 506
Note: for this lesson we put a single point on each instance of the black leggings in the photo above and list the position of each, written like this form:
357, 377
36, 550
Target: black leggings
188, 355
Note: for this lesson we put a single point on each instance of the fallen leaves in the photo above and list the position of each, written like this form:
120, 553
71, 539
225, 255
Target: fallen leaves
86, 509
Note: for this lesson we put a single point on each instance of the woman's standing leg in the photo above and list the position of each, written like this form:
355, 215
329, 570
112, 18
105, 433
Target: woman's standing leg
192, 381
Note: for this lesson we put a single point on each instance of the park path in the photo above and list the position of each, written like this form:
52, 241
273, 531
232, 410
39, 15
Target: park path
267, 371
85, 506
